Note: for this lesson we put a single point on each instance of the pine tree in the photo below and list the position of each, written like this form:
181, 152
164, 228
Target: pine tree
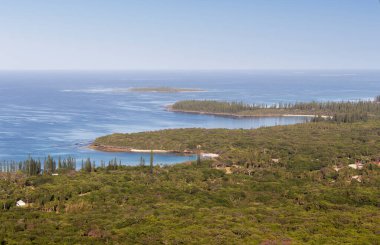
198, 155
142, 161
151, 161
87, 165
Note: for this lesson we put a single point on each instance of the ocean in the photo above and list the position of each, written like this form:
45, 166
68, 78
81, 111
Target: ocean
61, 112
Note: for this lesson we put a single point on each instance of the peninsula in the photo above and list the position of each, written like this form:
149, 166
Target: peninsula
337, 111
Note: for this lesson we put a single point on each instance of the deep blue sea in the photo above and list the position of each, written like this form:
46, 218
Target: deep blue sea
59, 113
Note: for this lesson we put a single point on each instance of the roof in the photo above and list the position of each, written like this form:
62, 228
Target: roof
20, 203
356, 166
209, 155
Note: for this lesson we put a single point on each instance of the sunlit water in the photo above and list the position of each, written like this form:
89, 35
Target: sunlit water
59, 113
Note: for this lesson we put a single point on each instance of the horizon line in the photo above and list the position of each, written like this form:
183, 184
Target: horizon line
191, 70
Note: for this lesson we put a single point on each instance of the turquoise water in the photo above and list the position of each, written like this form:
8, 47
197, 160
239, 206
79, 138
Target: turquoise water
59, 113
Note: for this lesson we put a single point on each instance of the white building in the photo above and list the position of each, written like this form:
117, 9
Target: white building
356, 165
20, 203
209, 155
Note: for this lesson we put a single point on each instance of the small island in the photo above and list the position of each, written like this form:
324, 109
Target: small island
164, 90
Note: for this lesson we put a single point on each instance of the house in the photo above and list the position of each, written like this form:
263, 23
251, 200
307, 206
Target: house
20, 203
209, 155
356, 165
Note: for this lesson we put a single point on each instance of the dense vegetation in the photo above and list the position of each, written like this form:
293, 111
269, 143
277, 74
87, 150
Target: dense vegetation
190, 204
335, 111
284, 189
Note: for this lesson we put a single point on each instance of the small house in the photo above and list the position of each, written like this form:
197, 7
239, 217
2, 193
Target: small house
357, 165
20, 203
209, 155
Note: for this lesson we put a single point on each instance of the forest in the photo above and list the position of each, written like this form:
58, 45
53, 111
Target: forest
287, 185
344, 111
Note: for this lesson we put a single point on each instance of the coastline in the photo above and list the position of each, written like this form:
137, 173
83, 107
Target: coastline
108, 148
170, 108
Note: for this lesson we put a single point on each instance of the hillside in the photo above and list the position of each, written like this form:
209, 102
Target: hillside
309, 145
191, 205
285, 184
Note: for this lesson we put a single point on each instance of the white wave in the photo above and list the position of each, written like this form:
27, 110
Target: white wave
98, 90
114, 91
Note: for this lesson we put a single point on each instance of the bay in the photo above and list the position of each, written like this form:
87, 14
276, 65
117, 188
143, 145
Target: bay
61, 112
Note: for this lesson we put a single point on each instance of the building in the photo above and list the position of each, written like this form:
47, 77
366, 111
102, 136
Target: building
20, 203
209, 155
357, 165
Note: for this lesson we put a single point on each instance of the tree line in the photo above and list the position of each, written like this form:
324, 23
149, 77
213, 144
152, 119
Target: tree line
33, 166
49, 165
343, 111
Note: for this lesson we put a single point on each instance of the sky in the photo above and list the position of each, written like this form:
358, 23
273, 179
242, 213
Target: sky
189, 34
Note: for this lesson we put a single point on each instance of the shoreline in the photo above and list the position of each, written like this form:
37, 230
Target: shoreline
170, 109
108, 148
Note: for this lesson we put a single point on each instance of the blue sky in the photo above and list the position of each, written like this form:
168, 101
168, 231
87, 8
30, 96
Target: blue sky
189, 34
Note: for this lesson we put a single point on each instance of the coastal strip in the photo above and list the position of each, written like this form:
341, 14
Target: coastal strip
343, 111
234, 115
109, 148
